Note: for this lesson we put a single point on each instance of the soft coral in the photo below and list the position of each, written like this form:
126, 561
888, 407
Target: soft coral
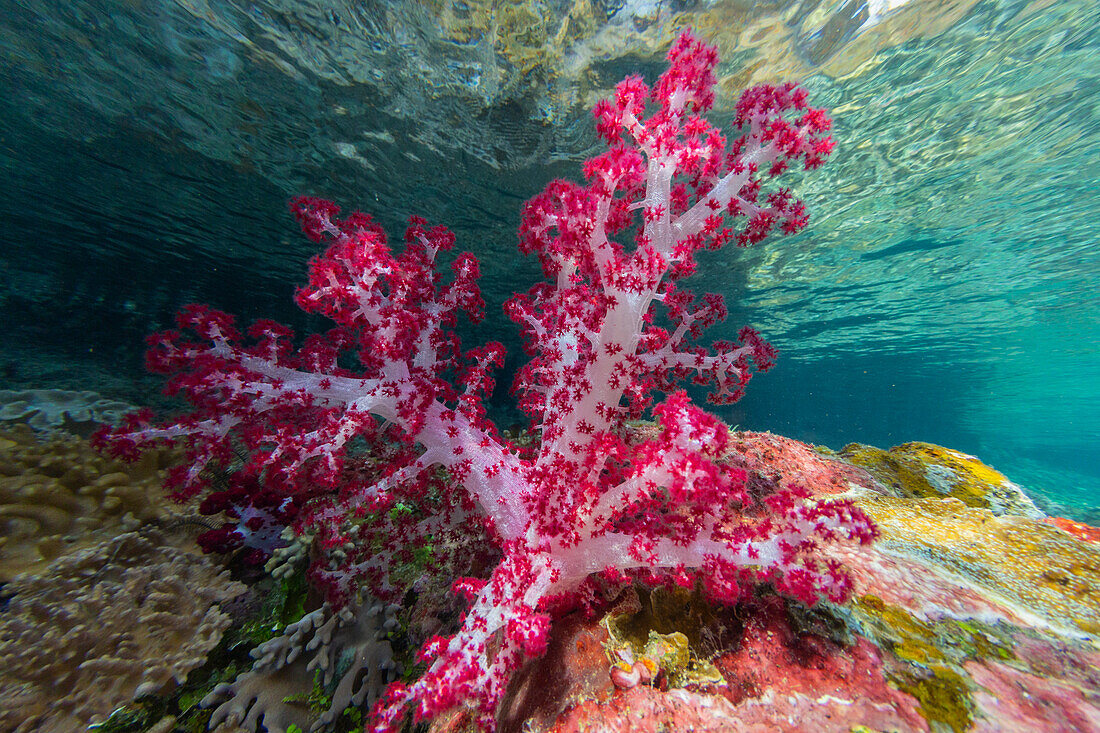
590, 502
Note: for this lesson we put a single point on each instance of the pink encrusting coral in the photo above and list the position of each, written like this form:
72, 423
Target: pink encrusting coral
586, 503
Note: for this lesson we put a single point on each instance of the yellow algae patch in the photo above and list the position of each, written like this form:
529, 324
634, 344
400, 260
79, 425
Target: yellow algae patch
1028, 563
923, 470
933, 654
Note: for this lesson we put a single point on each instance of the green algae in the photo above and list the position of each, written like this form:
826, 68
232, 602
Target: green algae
929, 657
319, 700
944, 697
666, 610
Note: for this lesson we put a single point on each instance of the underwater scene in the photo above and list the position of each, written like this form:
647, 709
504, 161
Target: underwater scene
549, 366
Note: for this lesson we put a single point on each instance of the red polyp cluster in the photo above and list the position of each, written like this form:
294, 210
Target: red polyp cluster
372, 437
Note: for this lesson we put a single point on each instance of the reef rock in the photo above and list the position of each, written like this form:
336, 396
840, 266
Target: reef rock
972, 612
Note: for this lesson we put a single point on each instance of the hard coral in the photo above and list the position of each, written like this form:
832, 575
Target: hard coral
585, 504
126, 618
59, 495
47, 410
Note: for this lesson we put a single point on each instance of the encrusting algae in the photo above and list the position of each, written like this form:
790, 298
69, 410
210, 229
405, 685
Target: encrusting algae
926, 471
1031, 565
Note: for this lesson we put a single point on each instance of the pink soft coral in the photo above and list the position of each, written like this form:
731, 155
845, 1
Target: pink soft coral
587, 502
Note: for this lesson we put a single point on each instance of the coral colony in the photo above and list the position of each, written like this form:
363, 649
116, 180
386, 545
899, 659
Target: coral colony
372, 438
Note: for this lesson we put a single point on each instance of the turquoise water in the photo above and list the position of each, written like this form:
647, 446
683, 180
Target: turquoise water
945, 290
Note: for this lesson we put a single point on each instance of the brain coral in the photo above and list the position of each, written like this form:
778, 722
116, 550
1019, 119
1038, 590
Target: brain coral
128, 617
